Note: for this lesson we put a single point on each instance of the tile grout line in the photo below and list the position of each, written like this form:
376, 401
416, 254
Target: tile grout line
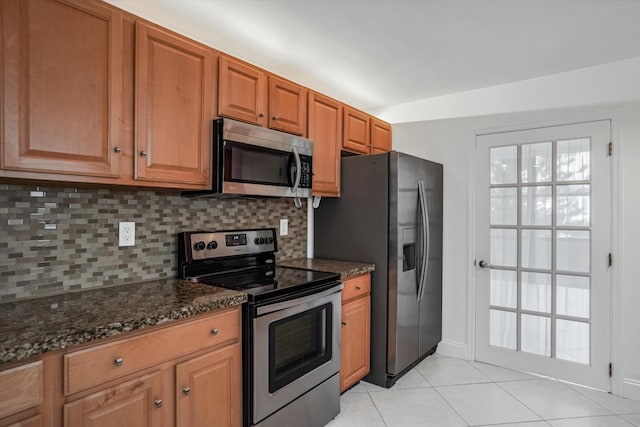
521, 402
377, 409
451, 406
592, 400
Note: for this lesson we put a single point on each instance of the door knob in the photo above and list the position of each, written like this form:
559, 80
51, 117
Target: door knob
158, 403
186, 391
483, 264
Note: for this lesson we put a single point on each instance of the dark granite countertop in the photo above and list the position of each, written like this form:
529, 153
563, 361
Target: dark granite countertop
345, 269
35, 326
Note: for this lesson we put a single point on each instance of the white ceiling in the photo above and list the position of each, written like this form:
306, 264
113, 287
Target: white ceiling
376, 53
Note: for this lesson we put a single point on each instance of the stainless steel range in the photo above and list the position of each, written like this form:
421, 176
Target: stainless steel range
291, 325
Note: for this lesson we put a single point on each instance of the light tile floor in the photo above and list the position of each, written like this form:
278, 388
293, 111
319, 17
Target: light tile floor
447, 392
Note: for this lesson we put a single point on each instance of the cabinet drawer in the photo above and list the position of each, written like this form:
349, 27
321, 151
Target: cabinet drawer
102, 363
21, 388
356, 287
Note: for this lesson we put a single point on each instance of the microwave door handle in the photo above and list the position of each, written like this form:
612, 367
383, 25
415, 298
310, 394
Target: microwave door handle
296, 181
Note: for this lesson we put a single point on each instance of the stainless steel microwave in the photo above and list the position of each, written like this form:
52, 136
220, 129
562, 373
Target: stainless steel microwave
255, 161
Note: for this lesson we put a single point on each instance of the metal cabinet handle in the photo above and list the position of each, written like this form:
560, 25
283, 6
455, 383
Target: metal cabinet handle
117, 149
186, 391
344, 323
275, 117
357, 288
261, 115
118, 361
214, 331
158, 403
143, 153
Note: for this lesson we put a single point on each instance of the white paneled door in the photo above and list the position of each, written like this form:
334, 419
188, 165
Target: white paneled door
542, 251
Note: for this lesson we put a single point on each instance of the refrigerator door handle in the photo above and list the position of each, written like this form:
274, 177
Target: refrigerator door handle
424, 266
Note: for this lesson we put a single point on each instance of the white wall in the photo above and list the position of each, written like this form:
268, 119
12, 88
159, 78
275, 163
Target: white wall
615, 82
452, 143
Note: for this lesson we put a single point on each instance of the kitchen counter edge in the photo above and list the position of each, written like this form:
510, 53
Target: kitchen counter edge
346, 269
36, 326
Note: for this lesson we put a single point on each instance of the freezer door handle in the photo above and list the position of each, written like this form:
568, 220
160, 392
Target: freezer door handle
424, 218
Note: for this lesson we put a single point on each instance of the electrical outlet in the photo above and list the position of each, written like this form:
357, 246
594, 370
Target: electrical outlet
127, 234
284, 227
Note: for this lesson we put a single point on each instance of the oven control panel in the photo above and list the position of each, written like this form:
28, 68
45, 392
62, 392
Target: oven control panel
201, 245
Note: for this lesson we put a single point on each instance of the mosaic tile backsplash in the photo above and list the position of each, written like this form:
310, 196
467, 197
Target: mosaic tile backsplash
60, 239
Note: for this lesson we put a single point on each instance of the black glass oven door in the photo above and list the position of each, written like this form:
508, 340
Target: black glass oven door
258, 165
298, 344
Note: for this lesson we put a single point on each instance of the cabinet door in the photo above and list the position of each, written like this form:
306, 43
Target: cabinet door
287, 106
380, 136
35, 421
62, 84
325, 130
354, 362
242, 92
209, 389
174, 87
136, 403
356, 138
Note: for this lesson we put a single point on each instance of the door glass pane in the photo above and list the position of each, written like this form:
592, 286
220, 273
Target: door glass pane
504, 288
504, 247
572, 247
572, 341
573, 204
504, 206
536, 249
536, 162
536, 334
502, 329
536, 205
574, 160
536, 291
573, 295
504, 165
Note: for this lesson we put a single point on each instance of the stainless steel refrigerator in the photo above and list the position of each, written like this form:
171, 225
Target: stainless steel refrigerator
390, 214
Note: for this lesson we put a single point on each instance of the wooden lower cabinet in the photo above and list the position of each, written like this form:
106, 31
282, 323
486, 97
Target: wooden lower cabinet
188, 374
356, 333
209, 389
135, 403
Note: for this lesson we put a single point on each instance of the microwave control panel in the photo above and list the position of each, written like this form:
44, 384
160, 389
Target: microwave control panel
305, 174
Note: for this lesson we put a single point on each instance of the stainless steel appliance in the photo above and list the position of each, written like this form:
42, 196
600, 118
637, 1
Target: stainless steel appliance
251, 160
390, 213
291, 325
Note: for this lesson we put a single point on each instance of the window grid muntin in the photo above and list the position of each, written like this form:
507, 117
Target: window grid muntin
554, 228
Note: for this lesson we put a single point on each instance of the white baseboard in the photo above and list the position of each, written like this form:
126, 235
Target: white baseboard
453, 349
630, 388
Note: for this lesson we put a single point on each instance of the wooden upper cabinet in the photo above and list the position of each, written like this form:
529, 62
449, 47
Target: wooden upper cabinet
242, 92
209, 389
62, 87
356, 137
380, 136
173, 108
287, 106
325, 130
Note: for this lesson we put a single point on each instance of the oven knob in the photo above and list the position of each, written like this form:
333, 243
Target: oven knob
256, 241
262, 240
212, 244
199, 246
270, 239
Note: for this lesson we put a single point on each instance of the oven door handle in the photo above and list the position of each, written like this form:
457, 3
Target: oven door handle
271, 308
296, 180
